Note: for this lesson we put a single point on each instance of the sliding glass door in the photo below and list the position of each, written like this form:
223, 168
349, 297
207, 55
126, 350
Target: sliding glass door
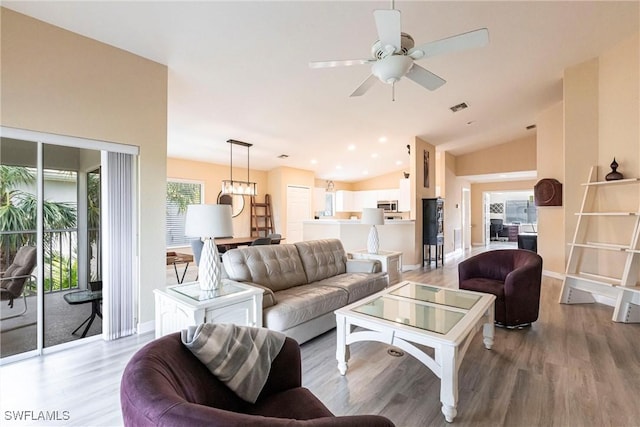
51, 202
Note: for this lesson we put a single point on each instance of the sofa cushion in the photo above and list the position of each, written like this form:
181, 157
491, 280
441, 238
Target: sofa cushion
322, 258
275, 266
299, 304
357, 285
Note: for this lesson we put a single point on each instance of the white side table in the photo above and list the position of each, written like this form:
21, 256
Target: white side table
180, 306
391, 262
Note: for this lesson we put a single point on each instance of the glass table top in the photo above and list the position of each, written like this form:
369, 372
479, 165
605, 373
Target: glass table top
408, 312
421, 306
447, 297
193, 291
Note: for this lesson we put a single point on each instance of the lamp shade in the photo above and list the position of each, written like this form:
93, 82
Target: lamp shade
372, 216
208, 221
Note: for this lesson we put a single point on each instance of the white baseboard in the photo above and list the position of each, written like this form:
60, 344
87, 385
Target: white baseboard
553, 274
145, 327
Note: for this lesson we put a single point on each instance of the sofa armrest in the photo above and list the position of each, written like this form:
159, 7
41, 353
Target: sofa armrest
268, 297
363, 266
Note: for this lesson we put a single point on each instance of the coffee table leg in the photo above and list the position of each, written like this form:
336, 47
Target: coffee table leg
488, 329
449, 383
341, 346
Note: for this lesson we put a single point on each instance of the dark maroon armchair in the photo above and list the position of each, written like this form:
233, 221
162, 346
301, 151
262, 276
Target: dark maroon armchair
513, 276
164, 384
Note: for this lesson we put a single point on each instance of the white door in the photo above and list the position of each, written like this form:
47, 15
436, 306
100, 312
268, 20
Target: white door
466, 219
298, 210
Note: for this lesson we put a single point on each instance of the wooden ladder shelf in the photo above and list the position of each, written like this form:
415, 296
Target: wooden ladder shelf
261, 217
582, 279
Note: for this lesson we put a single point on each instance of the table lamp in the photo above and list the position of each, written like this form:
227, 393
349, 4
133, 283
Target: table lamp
208, 222
373, 217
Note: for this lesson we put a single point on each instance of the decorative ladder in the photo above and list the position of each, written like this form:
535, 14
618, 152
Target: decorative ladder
580, 285
261, 220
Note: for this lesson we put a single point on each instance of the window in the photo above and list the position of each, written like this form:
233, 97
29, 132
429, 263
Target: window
180, 194
520, 211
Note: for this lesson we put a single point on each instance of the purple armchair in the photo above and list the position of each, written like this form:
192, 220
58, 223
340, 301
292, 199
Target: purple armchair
513, 276
164, 384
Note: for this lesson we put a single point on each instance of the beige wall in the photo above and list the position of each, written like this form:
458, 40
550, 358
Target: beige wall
55, 81
279, 179
382, 182
452, 193
212, 175
513, 156
477, 191
419, 191
551, 244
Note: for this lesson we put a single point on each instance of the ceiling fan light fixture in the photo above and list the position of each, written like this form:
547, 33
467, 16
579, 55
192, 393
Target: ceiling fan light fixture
391, 69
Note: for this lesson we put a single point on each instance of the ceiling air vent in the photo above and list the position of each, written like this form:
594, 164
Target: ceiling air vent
459, 107
283, 156
531, 127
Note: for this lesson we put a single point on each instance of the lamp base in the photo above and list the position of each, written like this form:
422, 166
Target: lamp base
372, 242
209, 269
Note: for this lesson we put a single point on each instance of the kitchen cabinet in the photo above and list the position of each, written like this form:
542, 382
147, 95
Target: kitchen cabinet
344, 201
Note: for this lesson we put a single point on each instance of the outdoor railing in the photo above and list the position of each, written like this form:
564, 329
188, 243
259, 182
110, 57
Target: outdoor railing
60, 272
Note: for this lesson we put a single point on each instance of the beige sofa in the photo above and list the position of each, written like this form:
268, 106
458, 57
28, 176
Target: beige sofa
304, 283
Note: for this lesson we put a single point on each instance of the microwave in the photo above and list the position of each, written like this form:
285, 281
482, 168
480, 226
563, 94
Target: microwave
388, 205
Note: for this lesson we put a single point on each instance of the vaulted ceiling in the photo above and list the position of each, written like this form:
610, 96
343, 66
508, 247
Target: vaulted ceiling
240, 70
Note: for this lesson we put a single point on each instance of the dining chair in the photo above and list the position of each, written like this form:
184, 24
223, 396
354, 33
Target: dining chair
261, 241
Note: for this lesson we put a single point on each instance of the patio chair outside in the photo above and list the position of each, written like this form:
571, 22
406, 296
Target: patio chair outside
16, 277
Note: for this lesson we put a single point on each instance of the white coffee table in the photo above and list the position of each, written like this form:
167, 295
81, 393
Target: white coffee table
415, 313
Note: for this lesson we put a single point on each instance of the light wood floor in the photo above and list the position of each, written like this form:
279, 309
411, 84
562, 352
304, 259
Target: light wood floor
573, 367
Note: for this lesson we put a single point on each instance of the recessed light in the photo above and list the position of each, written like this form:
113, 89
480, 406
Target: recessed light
374, 155
338, 167
382, 139
365, 172
398, 162
351, 147
314, 162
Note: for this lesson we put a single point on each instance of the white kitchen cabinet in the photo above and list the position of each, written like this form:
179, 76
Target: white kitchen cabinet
344, 201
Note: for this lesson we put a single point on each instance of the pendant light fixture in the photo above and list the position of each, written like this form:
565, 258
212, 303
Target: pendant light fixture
244, 188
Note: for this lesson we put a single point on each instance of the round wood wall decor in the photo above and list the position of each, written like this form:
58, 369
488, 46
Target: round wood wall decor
548, 192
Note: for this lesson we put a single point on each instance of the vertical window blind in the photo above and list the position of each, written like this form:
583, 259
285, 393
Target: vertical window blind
119, 245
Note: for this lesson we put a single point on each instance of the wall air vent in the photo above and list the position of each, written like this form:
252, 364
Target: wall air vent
459, 107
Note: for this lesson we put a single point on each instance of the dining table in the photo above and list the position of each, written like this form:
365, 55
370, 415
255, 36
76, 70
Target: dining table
234, 242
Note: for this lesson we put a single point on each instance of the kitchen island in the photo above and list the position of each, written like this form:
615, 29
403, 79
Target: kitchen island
395, 235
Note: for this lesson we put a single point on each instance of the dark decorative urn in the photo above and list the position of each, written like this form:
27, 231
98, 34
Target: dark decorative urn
614, 175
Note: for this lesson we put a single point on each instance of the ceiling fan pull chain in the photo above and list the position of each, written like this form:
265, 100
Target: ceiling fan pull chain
393, 92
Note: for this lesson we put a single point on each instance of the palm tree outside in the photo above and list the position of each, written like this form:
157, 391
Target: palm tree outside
18, 224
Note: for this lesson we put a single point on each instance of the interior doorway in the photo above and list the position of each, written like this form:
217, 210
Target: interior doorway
507, 214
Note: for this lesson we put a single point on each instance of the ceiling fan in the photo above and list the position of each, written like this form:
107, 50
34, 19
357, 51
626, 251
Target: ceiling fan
393, 55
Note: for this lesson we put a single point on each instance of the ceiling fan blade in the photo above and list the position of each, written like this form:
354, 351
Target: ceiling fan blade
424, 77
345, 63
472, 39
364, 86
388, 25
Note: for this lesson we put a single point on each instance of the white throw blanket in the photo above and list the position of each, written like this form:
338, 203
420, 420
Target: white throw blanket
239, 356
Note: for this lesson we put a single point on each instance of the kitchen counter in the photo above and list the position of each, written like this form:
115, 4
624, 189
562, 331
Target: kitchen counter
395, 235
